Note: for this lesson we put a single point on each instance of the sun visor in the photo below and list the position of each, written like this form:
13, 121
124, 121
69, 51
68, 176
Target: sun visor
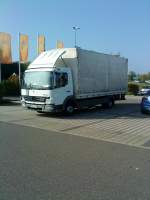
47, 58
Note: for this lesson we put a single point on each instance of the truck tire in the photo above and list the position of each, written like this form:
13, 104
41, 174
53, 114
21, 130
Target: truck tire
38, 111
109, 104
69, 108
143, 111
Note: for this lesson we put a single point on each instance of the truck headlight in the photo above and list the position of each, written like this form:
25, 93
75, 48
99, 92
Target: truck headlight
49, 100
23, 104
22, 98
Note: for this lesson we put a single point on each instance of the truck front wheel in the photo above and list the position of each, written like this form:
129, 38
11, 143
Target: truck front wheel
69, 108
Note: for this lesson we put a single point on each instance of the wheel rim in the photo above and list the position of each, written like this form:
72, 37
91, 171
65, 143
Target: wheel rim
110, 104
70, 109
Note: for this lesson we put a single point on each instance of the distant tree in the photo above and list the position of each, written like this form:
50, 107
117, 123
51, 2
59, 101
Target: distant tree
0, 55
144, 77
131, 76
133, 88
138, 77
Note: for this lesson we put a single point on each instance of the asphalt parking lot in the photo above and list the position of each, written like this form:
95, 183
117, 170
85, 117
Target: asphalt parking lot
122, 124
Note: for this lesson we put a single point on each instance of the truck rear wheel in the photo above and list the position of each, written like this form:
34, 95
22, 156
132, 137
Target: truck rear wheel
109, 104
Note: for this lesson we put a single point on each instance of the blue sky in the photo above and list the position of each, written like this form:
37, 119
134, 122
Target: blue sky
108, 26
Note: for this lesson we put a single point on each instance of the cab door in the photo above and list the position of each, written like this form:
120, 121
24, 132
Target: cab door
63, 87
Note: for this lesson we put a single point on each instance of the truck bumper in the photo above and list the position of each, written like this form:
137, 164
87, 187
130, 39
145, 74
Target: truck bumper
47, 108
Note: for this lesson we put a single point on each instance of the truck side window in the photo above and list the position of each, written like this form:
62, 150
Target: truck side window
61, 79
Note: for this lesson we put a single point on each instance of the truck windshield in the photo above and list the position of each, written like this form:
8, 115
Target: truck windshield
41, 80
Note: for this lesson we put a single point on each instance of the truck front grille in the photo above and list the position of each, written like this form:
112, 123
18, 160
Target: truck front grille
35, 99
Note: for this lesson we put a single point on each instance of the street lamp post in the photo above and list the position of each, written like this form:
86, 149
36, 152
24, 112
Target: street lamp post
75, 28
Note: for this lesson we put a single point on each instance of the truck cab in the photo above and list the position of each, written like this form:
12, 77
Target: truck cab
46, 88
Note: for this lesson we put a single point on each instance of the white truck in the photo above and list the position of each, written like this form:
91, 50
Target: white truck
73, 78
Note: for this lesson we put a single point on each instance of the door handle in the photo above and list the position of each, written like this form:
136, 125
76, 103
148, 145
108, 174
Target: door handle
68, 91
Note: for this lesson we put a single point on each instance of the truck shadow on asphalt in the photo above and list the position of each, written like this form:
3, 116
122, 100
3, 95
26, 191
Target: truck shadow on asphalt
9, 103
121, 110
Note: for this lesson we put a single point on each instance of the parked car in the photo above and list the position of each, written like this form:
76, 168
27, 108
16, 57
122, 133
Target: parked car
144, 90
145, 103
